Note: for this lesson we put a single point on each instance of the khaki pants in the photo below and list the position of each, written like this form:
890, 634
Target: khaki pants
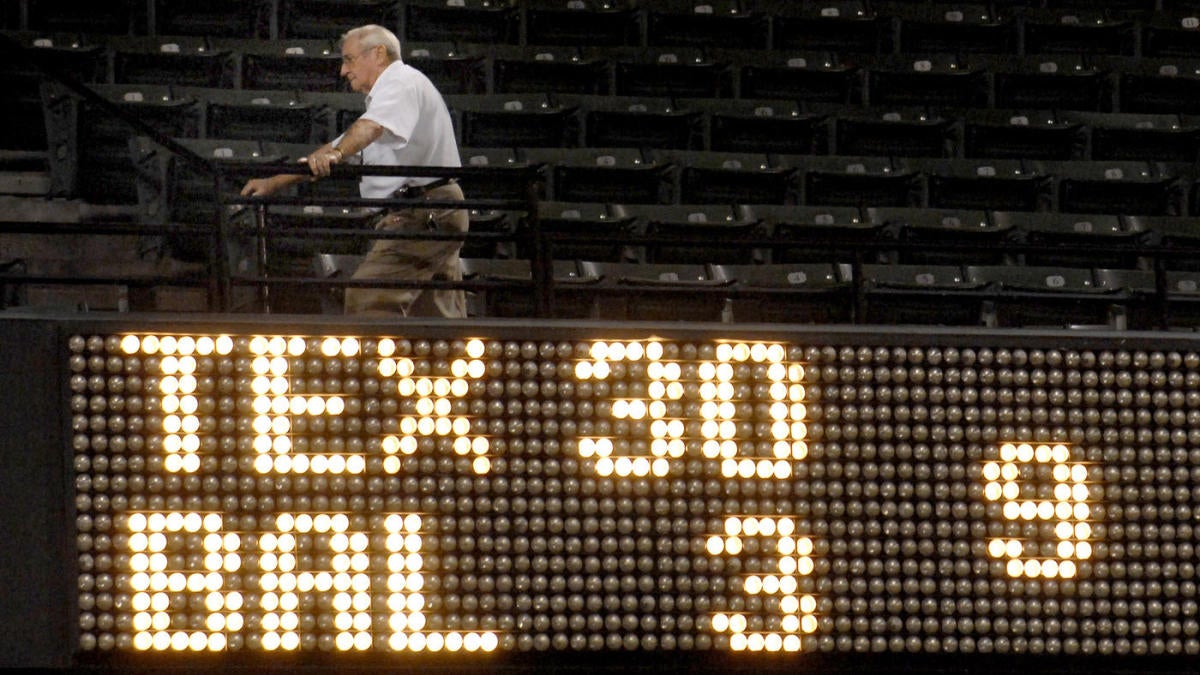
414, 260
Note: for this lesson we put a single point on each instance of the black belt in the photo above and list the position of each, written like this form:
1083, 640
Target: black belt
414, 191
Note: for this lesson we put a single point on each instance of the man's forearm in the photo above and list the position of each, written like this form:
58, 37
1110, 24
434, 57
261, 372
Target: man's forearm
360, 134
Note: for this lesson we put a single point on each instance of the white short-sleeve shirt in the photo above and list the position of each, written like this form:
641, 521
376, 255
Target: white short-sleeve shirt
416, 129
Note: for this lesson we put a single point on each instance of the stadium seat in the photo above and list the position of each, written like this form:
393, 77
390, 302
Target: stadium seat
888, 132
117, 17
454, 70
257, 115
1134, 188
224, 18
809, 76
583, 22
637, 122
1078, 30
1171, 33
303, 64
510, 289
582, 231
953, 28
334, 111
831, 25
483, 21
328, 19
810, 234
177, 60
856, 180
89, 145
1074, 240
819, 293
1033, 296
748, 125
665, 292
1139, 305
707, 177
548, 69
25, 124
506, 175
1021, 134
514, 120
944, 236
1159, 85
697, 233
1011, 184
703, 23
1046, 82
937, 295
497, 230
1176, 238
615, 175
666, 71
944, 80
1134, 136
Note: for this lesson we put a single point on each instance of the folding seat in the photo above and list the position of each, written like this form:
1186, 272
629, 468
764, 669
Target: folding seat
833, 25
1174, 240
637, 122
1159, 85
1073, 239
493, 233
172, 190
334, 111
698, 233
89, 145
888, 132
616, 175
507, 289
583, 22
707, 177
809, 76
258, 115
1119, 187
118, 17
656, 292
953, 28
581, 231
1021, 134
1046, 82
943, 80
501, 174
930, 236
666, 71
1138, 305
1171, 33
813, 234
548, 69
1078, 31
701, 23
1036, 296
177, 59
856, 180
224, 18
455, 70
1010, 184
302, 64
812, 293
1134, 136
483, 21
328, 19
514, 120
937, 295
775, 126
25, 124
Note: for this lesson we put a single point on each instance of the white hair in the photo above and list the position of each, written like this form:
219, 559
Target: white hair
373, 35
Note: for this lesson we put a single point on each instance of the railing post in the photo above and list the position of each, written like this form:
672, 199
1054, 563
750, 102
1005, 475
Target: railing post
220, 291
262, 245
542, 263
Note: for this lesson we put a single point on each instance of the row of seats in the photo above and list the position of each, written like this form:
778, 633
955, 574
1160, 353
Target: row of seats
1004, 296
1070, 81
1133, 27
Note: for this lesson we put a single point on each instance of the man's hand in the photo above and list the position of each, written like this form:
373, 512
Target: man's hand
259, 187
321, 159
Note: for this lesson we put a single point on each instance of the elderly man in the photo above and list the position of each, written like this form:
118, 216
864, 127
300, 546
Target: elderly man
406, 123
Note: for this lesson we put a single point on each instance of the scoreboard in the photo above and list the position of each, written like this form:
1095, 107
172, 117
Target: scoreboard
494, 491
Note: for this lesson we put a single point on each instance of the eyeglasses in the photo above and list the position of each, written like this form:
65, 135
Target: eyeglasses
348, 59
